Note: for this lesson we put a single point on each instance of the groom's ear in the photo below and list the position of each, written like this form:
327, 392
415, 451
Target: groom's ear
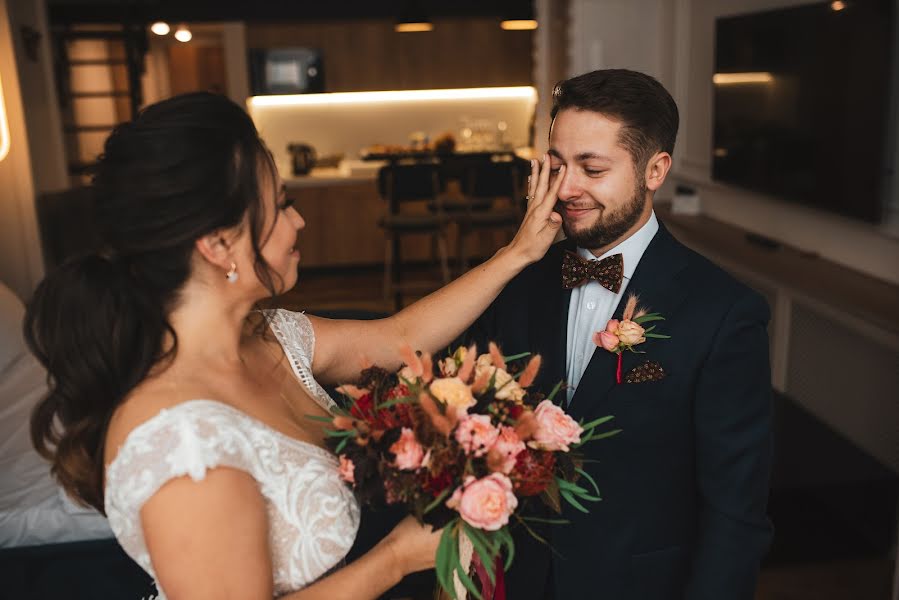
656, 170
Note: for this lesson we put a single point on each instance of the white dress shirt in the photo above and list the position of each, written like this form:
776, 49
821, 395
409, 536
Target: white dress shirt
591, 305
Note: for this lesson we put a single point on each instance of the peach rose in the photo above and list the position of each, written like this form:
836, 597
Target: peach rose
346, 470
485, 503
630, 333
612, 326
452, 391
507, 388
555, 429
408, 451
507, 446
476, 434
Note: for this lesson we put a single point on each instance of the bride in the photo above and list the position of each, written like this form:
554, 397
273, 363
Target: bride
178, 410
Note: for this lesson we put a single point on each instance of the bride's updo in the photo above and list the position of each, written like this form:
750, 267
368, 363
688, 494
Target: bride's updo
180, 170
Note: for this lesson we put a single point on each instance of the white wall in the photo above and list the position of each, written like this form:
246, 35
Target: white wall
673, 40
36, 81
20, 256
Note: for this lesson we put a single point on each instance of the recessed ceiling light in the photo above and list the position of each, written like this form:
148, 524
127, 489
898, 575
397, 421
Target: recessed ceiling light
183, 34
160, 28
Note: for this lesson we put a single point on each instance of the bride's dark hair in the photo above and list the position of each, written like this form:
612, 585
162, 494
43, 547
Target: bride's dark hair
183, 168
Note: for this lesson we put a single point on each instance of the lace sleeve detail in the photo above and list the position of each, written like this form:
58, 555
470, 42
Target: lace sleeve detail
186, 440
312, 514
296, 335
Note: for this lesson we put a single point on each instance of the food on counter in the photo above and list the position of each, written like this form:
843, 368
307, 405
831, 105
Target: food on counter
444, 143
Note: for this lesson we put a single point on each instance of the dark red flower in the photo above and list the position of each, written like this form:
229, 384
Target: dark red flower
533, 471
362, 407
435, 484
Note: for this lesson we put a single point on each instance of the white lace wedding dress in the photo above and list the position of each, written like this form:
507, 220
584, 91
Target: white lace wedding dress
313, 516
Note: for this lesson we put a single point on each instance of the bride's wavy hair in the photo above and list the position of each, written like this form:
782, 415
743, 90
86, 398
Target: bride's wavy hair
183, 168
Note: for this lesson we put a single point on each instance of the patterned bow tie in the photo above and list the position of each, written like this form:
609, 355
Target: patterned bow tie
608, 272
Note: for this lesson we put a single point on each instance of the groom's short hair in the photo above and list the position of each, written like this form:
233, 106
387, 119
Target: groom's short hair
647, 112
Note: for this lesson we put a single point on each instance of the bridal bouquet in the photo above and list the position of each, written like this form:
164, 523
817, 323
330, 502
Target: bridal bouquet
463, 444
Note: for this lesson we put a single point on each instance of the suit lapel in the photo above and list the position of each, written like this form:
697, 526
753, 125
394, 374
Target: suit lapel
654, 282
549, 329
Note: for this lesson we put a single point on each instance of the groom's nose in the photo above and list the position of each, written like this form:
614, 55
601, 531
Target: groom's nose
570, 188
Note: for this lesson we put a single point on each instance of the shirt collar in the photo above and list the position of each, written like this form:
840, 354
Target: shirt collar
631, 249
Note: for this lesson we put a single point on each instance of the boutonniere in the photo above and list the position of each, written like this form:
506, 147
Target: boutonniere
622, 335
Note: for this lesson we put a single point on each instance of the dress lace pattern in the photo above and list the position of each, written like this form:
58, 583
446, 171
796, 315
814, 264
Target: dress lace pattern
313, 517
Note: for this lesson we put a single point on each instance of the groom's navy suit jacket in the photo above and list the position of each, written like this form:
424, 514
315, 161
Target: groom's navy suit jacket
684, 485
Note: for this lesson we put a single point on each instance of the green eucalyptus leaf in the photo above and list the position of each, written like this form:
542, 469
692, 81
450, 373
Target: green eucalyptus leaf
437, 501
320, 418
587, 476
570, 498
554, 391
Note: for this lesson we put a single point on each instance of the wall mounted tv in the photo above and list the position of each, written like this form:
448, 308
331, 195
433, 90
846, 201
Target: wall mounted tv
802, 104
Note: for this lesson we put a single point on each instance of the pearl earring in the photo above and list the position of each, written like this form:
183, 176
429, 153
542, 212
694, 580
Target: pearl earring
231, 275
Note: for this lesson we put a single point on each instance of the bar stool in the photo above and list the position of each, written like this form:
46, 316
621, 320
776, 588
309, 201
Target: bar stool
483, 183
402, 184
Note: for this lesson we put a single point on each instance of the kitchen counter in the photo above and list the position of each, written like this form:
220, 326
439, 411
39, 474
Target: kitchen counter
328, 176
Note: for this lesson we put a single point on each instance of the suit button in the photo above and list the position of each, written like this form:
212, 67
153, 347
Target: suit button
591, 305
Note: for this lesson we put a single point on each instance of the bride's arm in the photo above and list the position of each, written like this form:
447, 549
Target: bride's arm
209, 540
436, 320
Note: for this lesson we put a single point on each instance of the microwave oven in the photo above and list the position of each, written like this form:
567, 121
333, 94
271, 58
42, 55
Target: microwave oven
286, 71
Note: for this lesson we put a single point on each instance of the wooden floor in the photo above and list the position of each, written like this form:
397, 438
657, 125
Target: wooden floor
327, 291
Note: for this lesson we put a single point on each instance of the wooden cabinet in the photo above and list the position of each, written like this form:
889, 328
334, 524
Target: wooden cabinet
342, 226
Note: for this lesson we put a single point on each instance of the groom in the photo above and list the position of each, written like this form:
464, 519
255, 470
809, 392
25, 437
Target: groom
684, 485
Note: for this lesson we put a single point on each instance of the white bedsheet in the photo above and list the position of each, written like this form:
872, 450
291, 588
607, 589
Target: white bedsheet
33, 508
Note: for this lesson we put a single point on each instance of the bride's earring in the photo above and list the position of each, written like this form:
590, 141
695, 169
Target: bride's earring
231, 275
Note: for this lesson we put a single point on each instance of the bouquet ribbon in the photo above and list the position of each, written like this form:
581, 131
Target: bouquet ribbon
469, 559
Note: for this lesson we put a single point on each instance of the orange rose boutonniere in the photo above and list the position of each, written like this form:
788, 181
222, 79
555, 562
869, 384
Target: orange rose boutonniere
622, 335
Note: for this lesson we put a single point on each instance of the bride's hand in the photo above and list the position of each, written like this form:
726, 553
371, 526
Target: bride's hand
541, 223
414, 545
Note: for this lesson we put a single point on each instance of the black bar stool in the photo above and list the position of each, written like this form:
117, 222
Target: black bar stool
483, 182
401, 184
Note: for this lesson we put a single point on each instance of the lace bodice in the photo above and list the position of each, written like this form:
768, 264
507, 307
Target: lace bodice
312, 515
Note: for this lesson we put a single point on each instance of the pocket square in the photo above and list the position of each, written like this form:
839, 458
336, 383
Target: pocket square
650, 370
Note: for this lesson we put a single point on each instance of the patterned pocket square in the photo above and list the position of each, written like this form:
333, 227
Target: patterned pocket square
650, 370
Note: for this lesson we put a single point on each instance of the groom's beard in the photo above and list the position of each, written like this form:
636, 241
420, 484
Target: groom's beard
611, 225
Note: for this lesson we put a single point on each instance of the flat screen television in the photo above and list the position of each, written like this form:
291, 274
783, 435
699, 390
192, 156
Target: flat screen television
802, 106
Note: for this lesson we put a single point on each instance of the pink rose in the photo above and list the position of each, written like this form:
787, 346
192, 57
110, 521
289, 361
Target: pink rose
476, 434
346, 470
630, 333
606, 340
408, 451
612, 326
555, 429
507, 446
485, 503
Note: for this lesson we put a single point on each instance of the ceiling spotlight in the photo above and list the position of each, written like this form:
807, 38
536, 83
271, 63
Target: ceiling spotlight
412, 18
519, 16
837, 5
183, 34
518, 24
413, 26
160, 28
